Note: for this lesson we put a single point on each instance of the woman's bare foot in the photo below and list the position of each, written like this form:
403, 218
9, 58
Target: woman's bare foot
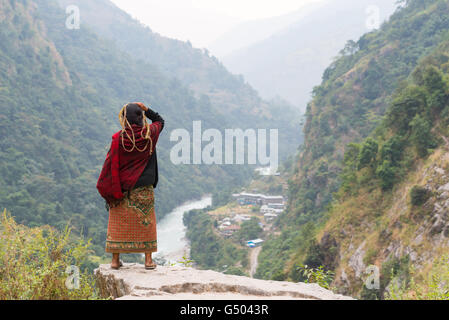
149, 264
116, 263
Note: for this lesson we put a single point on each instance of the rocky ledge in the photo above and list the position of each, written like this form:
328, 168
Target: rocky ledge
132, 282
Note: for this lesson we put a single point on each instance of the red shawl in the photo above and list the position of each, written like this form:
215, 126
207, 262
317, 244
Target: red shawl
122, 169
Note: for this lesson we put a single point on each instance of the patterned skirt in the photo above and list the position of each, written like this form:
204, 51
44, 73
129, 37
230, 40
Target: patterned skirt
132, 223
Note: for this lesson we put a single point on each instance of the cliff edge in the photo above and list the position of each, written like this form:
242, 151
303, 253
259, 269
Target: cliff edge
132, 281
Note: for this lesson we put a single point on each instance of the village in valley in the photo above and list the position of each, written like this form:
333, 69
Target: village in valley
260, 204
240, 224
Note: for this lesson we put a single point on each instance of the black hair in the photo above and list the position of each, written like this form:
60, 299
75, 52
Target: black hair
134, 114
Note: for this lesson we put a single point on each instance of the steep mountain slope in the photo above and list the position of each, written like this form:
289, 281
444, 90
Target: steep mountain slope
48, 140
393, 208
354, 95
60, 93
278, 65
357, 90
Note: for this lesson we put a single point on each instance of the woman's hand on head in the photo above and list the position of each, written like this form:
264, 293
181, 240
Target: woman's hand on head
142, 106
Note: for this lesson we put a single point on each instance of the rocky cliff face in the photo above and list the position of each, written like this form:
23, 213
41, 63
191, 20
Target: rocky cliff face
132, 281
396, 232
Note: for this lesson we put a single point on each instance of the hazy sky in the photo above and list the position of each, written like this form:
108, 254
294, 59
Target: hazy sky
202, 21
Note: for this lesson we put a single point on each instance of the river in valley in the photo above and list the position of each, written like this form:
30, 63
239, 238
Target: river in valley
171, 241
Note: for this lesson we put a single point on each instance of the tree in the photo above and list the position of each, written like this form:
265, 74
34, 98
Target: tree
432, 79
407, 103
368, 153
392, 150
350, 48
250, 229
438, 98
372, 80
386, 172
421, 136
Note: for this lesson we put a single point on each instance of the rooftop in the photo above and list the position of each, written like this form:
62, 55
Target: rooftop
255, 241
256, 195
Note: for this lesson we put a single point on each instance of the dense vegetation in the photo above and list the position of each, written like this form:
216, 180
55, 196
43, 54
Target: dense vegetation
60, 93
376, 170
401, 68
415, 121
54, 142
435, 286
354, 96
210, 251
35, 264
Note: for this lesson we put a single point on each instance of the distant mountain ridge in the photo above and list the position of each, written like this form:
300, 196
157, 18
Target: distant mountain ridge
251, 32
278, 65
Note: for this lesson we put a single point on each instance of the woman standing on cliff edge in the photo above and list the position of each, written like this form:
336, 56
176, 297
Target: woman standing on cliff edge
127, 183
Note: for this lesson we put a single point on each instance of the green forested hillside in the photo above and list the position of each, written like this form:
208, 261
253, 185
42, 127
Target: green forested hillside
372, 75
45, 134
354, 96
60, 93
392, 194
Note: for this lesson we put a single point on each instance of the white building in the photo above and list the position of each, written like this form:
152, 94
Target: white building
267, 209
270, 216
267, 171
241, 218
224, 225
276, 205
257, 199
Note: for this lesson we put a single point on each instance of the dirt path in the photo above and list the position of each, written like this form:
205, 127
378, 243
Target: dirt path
253, 260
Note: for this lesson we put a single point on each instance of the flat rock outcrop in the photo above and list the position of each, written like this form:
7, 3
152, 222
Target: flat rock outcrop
132, 281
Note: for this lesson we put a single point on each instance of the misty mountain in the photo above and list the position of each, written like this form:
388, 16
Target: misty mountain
291, 62
251, 32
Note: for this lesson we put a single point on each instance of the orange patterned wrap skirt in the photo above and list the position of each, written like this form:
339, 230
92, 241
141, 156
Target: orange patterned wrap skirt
132, 223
